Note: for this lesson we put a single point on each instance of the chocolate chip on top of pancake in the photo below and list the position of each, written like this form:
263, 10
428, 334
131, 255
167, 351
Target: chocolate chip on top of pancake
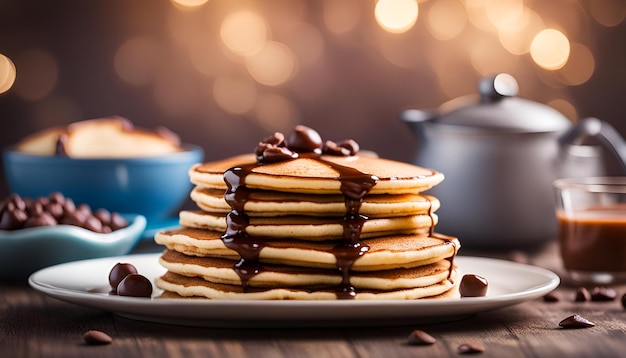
304, 218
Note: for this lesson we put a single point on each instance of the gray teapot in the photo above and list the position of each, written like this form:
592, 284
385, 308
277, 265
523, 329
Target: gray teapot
500, 154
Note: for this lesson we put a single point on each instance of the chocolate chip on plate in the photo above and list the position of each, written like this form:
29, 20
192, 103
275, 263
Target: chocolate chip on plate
119, 272
575, 321
95, 337
135, 285
473, 286
420, 338
471, 347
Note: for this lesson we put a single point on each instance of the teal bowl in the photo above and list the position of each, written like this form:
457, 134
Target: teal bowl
154, 187
25, 251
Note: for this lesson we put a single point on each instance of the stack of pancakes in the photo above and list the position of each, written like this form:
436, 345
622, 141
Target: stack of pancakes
310, 224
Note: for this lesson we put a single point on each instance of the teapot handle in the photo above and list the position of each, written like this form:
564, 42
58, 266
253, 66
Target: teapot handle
608, 136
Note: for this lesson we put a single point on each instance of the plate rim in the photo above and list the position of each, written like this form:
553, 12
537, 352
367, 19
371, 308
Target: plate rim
181, 311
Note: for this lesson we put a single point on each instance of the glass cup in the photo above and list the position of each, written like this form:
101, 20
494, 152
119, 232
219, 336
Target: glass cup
591, 215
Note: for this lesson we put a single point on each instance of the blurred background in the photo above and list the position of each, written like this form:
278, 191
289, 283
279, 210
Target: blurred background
225, 73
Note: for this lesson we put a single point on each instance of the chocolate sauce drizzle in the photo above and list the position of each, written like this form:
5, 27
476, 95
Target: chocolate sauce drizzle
354, 186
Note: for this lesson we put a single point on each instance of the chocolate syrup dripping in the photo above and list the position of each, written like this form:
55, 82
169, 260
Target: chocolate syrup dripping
354, 186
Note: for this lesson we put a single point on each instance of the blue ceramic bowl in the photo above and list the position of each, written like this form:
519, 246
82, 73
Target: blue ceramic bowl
154, 187
25, 251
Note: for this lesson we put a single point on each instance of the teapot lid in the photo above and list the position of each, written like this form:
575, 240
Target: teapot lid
498, 108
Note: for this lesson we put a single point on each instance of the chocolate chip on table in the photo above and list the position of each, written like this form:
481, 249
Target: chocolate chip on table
582, 295
575, 321
471, 347
473, 286
603, 294
420, 338
135, 285
95, 337
119, 272
552, 297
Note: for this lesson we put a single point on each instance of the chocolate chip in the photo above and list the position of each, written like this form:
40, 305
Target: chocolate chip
304, 140
119, 272
552, 297
575, 321
582, 295
135, 285
471, 347
473, 286
277, 154
103, 215
117, 222
603, 294
43, 219
94, 337
12, 219
420, 338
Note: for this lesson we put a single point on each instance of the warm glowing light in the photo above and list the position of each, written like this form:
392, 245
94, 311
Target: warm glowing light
189, 3
306, 42
502, 13
206, 58
137, 60
7, 73
234, 94
276, 113
244, 33
37, 74
608, 12
550, 49
341, 16
477, 14
273, 65
446, 19
396, 16
516, 37
488, 57
580, 66
565, 107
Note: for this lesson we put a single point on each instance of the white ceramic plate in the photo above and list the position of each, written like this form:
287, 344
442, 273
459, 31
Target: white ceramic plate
86, 283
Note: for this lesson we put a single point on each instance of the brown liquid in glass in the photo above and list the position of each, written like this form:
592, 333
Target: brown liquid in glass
594, 240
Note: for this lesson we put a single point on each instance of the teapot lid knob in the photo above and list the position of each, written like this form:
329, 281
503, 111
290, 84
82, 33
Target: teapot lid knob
494, 88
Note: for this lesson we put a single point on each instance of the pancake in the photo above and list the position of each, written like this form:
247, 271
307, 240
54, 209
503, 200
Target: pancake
386, 252
275, 203
312, 228
219, 270
197, 287
317, 175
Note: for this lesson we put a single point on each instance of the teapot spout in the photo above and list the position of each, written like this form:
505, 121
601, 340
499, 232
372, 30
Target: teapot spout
606, 134
417, 119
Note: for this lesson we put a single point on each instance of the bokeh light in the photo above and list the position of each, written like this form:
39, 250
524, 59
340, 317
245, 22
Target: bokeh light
138, 60
7, 73
396, 16
273, 65
550, 49
276, 113
501, 13
234, 94
341, 16
608, 12
446, 19
517, 37
37, 73
244, 32
565, 107
189, 3
580, 66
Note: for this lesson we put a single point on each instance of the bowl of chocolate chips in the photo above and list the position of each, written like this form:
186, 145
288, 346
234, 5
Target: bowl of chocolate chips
48, 230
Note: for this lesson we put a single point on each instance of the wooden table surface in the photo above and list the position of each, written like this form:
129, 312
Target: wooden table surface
33, 324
